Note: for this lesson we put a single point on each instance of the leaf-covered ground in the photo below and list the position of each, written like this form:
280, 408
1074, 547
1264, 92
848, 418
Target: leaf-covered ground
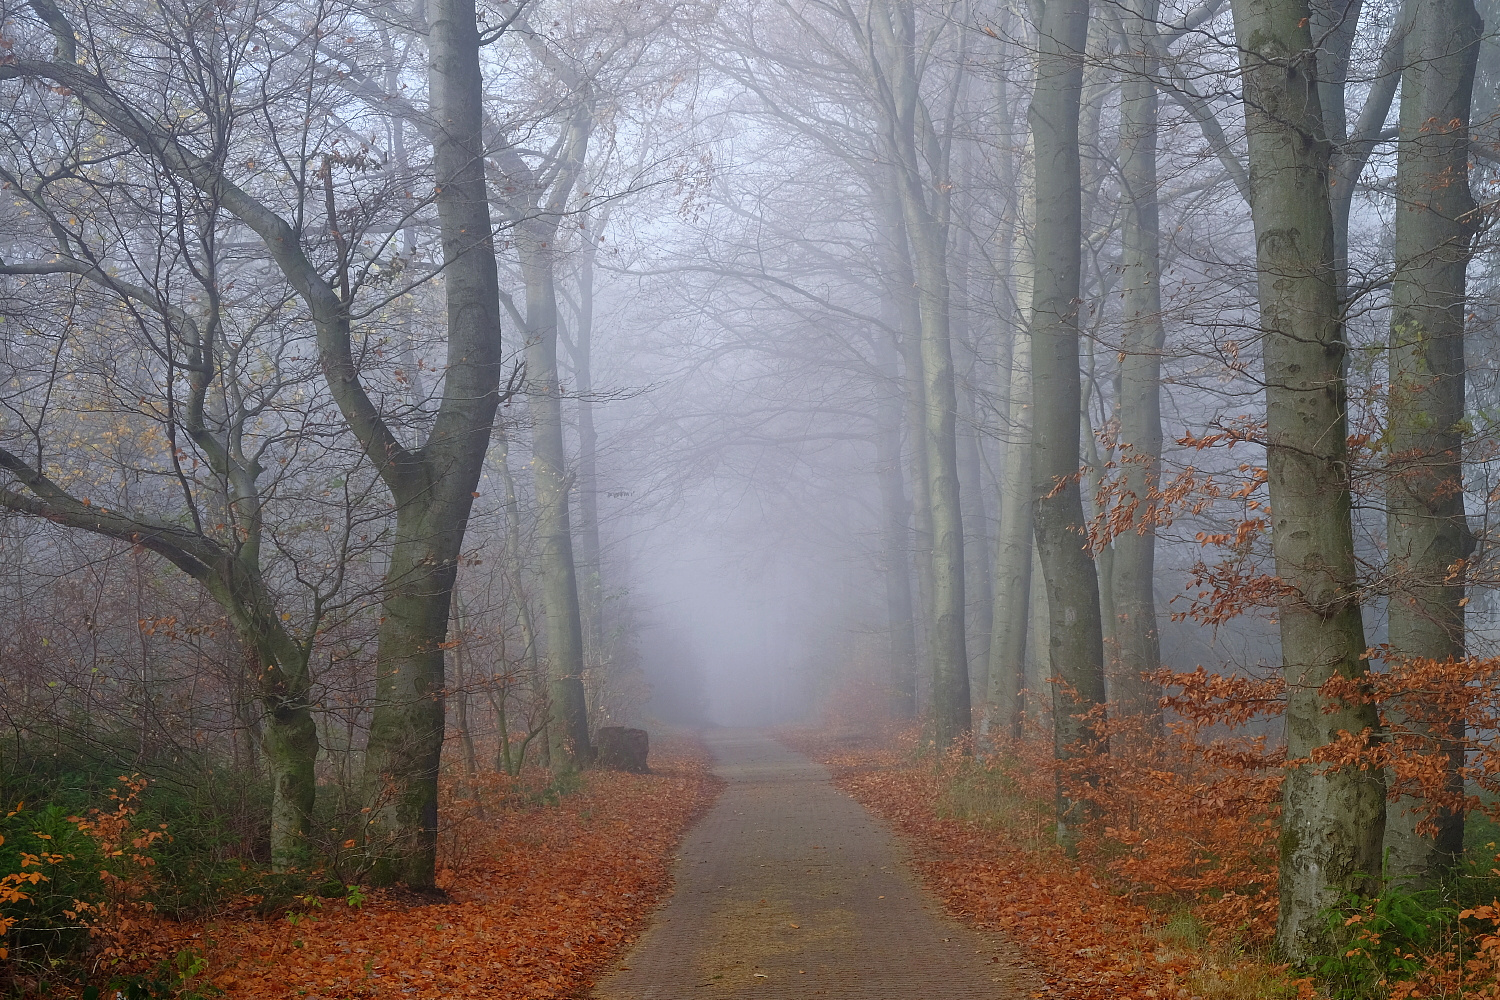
540, 896
1087, 942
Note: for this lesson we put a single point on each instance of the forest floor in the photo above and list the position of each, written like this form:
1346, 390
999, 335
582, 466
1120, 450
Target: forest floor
788, 888
1085, 941
833, 863
541, 895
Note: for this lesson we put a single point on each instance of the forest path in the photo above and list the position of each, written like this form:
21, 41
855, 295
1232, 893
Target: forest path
789, 888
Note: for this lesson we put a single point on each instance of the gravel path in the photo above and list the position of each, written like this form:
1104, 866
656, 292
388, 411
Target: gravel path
789, 888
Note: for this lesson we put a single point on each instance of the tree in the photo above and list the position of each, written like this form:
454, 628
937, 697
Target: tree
535, 202
912, 141
1427, 532
1144, 340
432, 486
1076, 653
1332, 816
200, 350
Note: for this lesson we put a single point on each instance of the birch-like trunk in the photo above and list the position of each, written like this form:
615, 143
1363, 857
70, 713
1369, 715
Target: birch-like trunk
1332, 818
1427, 535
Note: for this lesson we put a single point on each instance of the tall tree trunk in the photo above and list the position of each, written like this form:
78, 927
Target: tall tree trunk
1093, 484
1334, 24
569, 734
1013, 550
513, 565
947, 645
977, 583
908, 318
1332, 818
927, 235
289, 742
896, 537
1144, 337
1427, 533
461, 693
591, 590
1076, 641
433, 488
281, 674
1010, 578
979, 605
283, 680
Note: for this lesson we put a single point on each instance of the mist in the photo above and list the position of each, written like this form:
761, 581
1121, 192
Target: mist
400, 388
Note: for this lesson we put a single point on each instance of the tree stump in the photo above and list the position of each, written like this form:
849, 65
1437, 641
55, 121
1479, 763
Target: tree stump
619, 748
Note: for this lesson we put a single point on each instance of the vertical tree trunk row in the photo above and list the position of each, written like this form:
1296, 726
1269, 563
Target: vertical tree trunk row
1426, 532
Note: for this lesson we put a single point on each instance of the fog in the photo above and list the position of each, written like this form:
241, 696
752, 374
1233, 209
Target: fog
671, 364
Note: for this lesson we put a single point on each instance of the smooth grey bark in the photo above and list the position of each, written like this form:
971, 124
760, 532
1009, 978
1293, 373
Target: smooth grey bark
1426, 531
537, 206
513, 564
1010, 582
978, 593
1138, 643
535, 199
569, 736
979, 604
580, 351
1036, 706
1094, 507
1334, 25
1013, 551
461, 699
896, 534
1094, 500
908, 323
1076, 640
1353, 148
1332, 817
924, 209
433, 487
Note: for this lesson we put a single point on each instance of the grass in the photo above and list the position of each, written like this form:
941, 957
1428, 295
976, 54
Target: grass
986, 793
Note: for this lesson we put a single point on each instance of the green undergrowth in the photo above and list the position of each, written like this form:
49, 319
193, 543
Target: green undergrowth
197, 843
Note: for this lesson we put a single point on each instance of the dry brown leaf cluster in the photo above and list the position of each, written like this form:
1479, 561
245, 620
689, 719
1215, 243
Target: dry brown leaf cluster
540, 897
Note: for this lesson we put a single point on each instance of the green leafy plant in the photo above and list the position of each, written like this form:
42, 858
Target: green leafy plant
1387, 939
178, 978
